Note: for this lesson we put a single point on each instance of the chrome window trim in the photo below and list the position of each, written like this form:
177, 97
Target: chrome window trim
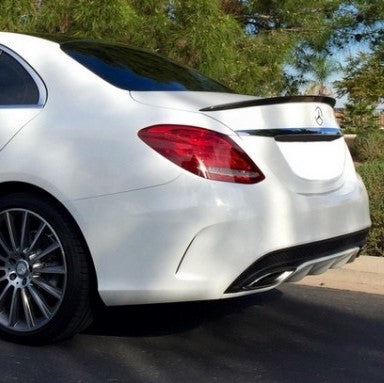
42, 89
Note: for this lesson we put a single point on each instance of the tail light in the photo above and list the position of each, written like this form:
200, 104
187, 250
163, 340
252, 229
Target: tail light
203, 152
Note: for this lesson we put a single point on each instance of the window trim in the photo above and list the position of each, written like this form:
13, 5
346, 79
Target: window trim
42, 89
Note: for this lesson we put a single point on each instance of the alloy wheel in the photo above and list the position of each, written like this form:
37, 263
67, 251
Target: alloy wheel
33, 271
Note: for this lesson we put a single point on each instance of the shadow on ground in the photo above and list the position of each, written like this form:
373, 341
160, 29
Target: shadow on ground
294, 334
171, 318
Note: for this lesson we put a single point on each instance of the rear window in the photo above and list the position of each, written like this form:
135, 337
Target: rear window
134, 69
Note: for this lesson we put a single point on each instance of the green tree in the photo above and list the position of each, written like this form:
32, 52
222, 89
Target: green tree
320, 70
363, 79
363, 84
18, 16
203, 36
245, 44
360, 116
112, 20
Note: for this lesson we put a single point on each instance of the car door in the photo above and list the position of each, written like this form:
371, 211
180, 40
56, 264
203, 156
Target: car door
22, 94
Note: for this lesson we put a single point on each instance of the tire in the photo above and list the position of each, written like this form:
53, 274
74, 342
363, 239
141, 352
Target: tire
44, 272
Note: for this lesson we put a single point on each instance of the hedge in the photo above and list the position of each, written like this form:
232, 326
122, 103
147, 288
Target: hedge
372, 173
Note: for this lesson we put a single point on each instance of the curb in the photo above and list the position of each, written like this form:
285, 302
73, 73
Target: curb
365, 274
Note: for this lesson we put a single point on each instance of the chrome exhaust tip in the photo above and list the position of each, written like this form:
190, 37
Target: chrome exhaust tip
271, 279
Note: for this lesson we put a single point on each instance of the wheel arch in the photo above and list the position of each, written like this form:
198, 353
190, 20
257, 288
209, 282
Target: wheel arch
13, 187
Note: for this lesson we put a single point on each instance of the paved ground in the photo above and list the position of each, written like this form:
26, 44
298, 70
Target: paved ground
293, 334
366, 275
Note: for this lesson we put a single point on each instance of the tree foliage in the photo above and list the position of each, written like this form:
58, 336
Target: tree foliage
250, 45
18, 16
360, 116
363, 83
363, 80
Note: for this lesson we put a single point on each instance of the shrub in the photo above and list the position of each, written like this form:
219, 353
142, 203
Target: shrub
369, 146
358, 117
373, 177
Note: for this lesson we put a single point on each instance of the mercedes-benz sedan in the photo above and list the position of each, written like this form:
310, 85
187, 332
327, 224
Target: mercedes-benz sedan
127, 176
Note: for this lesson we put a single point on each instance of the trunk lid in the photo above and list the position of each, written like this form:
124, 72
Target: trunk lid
296, 139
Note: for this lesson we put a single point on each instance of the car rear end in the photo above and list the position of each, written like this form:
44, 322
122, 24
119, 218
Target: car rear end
305, 211
253, 192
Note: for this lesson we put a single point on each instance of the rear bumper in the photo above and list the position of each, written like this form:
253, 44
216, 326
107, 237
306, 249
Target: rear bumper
293, 264
190, 239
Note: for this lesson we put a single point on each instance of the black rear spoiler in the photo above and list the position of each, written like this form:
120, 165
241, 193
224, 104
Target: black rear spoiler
270, 101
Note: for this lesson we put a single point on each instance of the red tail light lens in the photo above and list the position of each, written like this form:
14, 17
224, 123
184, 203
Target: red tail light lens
203, 152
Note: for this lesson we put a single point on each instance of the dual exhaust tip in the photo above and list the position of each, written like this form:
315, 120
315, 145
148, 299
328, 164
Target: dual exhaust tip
269, 280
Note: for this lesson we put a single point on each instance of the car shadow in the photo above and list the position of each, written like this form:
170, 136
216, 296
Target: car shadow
170, 318
293, 334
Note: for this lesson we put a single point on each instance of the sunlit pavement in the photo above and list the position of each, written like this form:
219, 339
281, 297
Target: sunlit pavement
366, 275
293, 334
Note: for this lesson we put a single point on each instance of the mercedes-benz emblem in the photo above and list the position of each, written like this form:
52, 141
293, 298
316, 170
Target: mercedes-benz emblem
21, 268
319, 116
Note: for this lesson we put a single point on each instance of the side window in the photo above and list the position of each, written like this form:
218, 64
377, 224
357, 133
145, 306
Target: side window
17, 87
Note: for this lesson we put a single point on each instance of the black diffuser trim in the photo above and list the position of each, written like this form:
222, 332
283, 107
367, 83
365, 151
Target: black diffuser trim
293, 257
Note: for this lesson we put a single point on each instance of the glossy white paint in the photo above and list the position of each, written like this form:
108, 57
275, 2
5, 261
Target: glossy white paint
157, 233
12, 119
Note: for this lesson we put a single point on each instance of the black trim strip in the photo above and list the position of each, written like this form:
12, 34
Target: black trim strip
270, 101
295, 134
295, 256
307, 137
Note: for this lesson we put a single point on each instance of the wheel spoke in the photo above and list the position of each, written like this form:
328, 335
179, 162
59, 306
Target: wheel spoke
52, 247
14, 310
4, 292
5, 247
3, 278
54, 291
39, 300
27, 309
11, 230
51, 270
23, 230
37, 235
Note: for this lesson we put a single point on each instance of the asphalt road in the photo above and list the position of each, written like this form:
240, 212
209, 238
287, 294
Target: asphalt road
293, 334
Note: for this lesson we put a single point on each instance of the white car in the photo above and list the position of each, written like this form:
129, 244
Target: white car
126, 176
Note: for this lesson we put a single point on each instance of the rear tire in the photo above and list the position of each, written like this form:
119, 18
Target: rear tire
44, 272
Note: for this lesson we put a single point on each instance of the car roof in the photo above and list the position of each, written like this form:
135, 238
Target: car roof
56, 38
